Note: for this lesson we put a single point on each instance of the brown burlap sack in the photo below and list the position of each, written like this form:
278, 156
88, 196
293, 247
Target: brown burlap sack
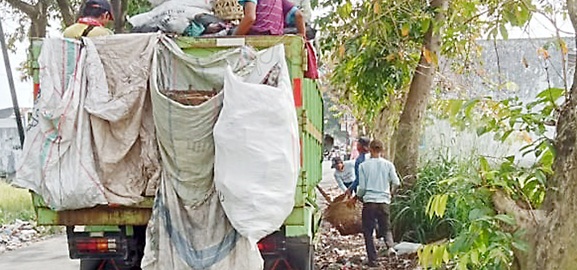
345, 214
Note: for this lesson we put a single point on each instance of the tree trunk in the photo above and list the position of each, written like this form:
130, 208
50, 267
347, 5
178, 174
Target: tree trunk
386, 124
68, 17
551, 236
408, 134
38, 20
120, 9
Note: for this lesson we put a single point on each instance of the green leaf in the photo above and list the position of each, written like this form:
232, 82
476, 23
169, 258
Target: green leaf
431, 207
425, 23
507, 219
540, 176
484, 164
521, 245
506, 135
551, 94
438, 254
476, 214
503, 31
474, 257
442, 206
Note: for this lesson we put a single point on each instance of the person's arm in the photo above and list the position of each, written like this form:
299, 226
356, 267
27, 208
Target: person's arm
340, 182
362, 183
248, 19
300, 23
394, 178
355, 184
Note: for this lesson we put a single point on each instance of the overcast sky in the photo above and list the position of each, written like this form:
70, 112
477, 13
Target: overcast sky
538, 27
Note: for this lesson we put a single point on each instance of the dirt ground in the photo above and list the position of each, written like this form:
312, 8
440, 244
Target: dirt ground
336, 252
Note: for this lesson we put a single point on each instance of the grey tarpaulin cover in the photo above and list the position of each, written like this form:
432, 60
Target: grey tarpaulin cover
91, 139
188, 228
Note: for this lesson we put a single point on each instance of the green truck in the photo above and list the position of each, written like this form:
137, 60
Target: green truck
113, 236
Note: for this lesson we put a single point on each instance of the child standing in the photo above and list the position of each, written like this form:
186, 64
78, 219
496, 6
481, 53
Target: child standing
377, 178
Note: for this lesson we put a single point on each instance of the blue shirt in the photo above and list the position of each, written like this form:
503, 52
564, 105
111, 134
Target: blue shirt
360, 159
376, 176
347, 175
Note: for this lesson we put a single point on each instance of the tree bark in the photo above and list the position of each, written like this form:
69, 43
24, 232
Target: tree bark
385, 124
407, 136
555, 243
552, 237
39, 20
38, 15
68, 17
120, 9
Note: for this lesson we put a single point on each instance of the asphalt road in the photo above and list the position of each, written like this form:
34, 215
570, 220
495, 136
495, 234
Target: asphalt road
49, 254
52, 253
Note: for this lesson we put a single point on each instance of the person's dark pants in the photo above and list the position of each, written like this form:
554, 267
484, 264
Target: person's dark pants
374, 214
348, 185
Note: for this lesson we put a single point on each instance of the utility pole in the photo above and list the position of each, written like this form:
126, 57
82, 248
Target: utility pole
12, 88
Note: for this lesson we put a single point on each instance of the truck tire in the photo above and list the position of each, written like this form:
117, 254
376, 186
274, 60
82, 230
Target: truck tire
301, 254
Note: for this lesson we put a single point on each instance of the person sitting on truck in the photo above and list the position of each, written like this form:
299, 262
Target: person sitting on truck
94, 16
344, 172
269, 17
377, 179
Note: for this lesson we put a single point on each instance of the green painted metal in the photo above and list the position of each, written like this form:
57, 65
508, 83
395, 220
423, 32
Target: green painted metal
33, 57
105, 229
304, 219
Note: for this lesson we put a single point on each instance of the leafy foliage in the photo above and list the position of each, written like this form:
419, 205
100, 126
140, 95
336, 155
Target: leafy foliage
410, 219
372, 47
487, 240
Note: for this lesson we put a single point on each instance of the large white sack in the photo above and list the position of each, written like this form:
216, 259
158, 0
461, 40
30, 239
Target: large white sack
57, 160
257, 151
171, 16
205, 4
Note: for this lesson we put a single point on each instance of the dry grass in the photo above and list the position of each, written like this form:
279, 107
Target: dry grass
15, 203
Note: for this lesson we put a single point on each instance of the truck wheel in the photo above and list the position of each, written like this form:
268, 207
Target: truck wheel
301, 255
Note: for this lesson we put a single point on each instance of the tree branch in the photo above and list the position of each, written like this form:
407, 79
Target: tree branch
66, 11
525, 218
30, 10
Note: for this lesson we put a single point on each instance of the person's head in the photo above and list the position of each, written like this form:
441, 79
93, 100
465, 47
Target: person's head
338, 164
363, 144
97, 9
376, 147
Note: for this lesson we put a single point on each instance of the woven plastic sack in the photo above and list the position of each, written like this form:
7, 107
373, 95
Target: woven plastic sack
257, 155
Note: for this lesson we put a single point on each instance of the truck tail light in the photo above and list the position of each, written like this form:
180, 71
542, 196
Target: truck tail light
267, 245
96, 245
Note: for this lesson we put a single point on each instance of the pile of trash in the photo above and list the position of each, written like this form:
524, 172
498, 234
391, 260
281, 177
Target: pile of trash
19, 234
198, 18
337, 252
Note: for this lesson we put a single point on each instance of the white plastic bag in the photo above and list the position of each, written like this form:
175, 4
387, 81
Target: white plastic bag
205, 4
257, 150
170, 16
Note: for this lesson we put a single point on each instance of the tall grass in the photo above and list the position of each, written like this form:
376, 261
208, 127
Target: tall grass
15, 204
408, 209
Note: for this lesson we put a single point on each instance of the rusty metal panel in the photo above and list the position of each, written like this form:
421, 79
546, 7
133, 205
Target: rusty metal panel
99, 215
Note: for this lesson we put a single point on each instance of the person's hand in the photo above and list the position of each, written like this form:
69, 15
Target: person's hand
349, 193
